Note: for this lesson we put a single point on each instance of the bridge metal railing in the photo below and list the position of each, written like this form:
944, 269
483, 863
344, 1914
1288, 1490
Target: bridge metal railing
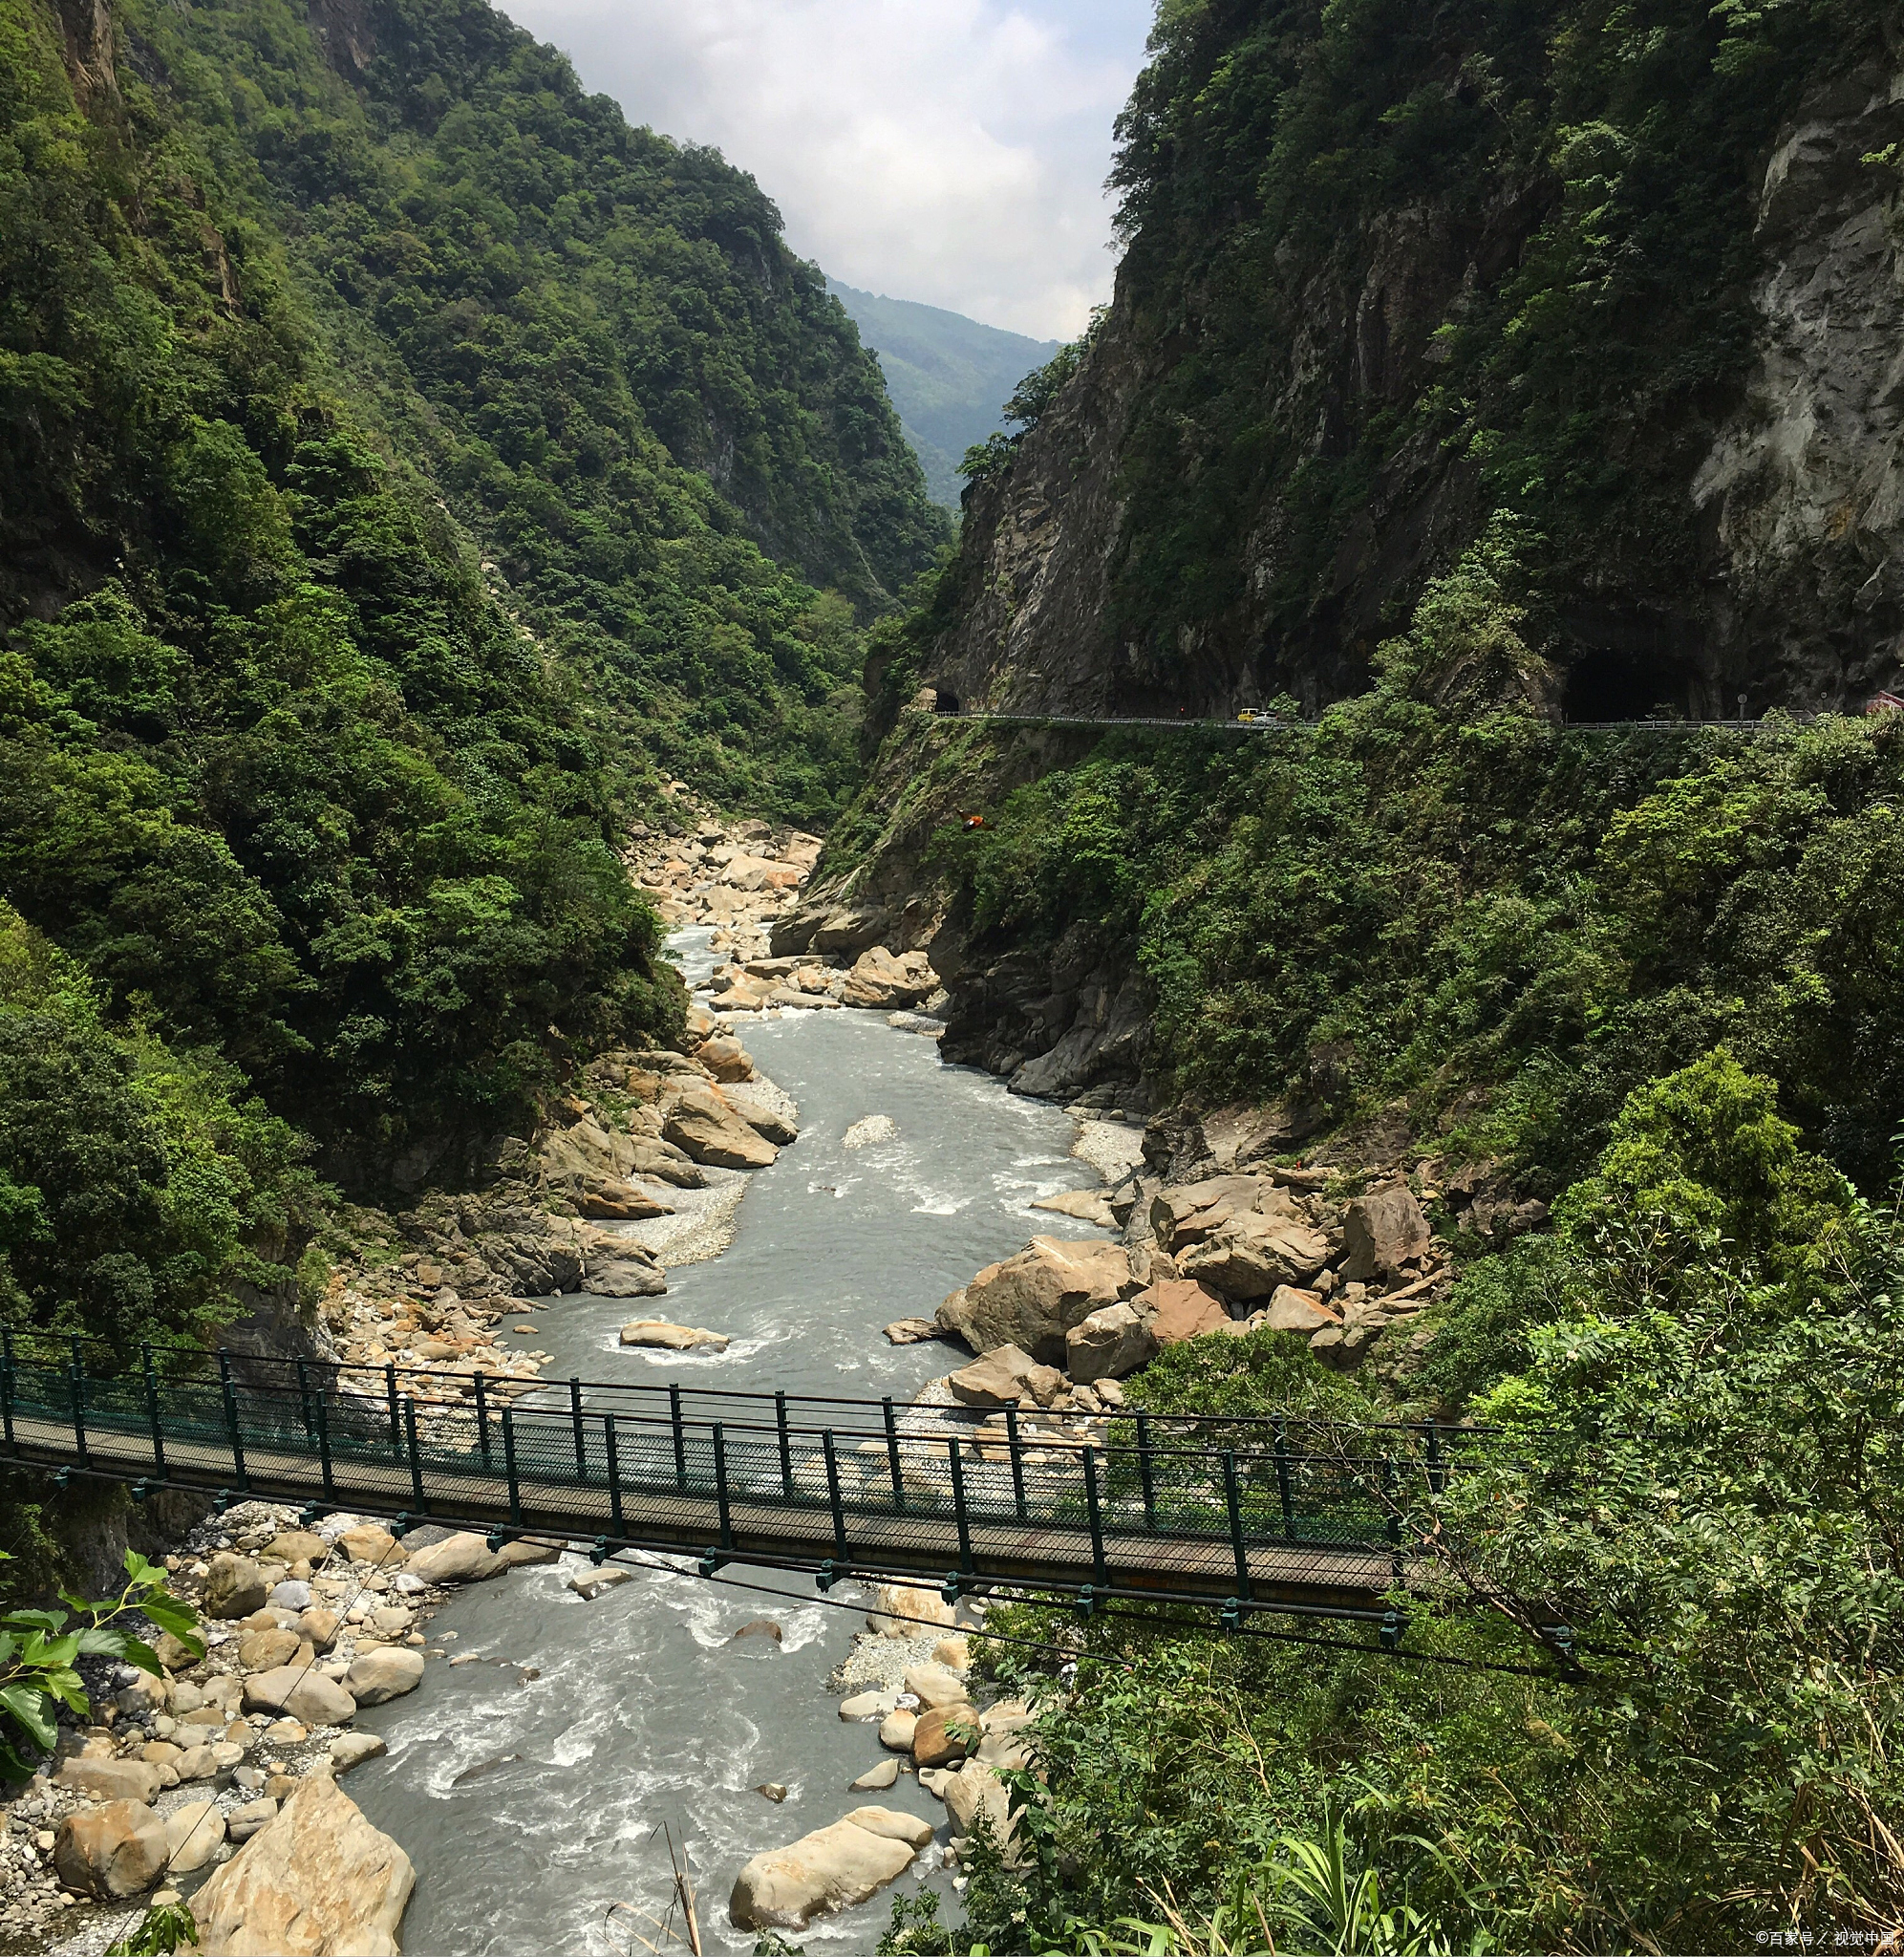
852, 1477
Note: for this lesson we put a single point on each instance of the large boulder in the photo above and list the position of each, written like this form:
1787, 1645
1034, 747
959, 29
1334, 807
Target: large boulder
193, 1834
386, 1671
370, 1542
880, 980
590, 1157
725, 1058
833, 1868
266, 1650
1289, 1310
1032, 1300
1001, 1728
1382, 1232
935, 1685
769, 1118
234, 1586
464, 1558
976, 1788
319, 1626
616, 1202
1007, 1377
318, 1881
110, 1851
298, 1546
112, 1781
1112, 1342
627, 1271
1248, 1254
305, 1694
1179, 1308
901, 1610
703, 1125
672, 1337
941, 1735
352, 1748
1187, 1213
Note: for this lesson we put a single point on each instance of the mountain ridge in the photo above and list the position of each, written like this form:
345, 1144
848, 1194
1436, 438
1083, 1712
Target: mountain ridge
948, 375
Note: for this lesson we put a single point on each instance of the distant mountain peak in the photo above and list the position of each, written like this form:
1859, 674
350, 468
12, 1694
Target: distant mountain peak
948, 375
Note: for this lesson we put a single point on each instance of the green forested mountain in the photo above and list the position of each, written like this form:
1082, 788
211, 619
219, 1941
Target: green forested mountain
948, 375
404, 466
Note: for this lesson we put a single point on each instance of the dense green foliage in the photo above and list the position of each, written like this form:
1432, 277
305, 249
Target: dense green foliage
948, 375
1509, 924
390, 453
141, 1187
663, 428
1556, 194
1700, 1474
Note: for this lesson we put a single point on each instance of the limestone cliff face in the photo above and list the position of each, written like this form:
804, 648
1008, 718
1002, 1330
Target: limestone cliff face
1038, 629
1806, 483
1788, 590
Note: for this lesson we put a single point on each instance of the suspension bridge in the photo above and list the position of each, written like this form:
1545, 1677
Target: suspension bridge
1311, 1518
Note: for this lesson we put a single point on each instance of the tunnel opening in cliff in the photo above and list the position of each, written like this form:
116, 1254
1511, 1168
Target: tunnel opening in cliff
1613, 686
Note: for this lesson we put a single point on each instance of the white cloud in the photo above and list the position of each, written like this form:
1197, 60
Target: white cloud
953, 151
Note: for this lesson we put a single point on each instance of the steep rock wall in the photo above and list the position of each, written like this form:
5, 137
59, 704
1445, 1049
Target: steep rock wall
1806, 483
1730, 531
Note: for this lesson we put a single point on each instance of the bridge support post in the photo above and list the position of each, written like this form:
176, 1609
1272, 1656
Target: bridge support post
720, 1485
786, 1445
680, 1440
395, 1412
1233, 1500
959, 1513
1282, 1481
614, 1460
833, 1494
415, 1457
151, 1412
324, 1448
482, 1420
1145, 1474
79, 1383
893, 1457
1100, 1577
1015, 1449
575, 1414
509, 1466
231, 1430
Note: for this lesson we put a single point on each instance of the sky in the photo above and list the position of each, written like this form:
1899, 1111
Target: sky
953, 151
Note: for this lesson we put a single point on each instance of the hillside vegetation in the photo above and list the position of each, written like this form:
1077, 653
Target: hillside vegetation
404, 467
950, 376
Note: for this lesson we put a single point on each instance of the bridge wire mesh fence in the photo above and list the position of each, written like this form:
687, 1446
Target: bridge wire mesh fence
612, 1450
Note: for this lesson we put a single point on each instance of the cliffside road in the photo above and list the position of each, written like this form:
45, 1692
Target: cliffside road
1182, 723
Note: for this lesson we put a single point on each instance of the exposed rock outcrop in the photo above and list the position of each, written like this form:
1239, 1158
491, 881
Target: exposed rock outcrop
1032, 1300
317, 1881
